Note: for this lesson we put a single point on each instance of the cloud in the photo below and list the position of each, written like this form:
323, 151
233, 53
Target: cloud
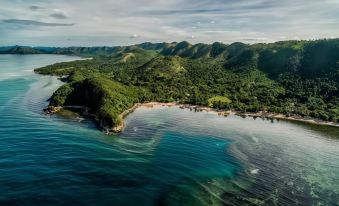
217, 31
113, 22
133, 36
34, 7
33, 23
183, 11
59, 16
255, 39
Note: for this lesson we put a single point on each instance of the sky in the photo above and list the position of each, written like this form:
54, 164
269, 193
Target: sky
127, 22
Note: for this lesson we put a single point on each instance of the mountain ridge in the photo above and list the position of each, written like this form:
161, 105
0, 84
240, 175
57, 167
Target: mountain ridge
290, 77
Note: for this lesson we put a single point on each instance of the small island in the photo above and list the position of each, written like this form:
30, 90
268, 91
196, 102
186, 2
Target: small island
283, 80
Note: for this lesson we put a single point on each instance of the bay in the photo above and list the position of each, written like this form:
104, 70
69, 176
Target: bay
165, 156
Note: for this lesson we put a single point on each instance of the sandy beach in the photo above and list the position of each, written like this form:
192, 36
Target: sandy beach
198, 108
225, 113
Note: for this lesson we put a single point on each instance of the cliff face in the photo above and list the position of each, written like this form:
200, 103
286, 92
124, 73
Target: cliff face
106, 99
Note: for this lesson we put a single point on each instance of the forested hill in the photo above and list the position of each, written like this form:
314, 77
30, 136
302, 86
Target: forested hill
290, 77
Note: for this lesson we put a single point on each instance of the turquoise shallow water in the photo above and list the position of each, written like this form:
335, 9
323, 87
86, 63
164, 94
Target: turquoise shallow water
166, 156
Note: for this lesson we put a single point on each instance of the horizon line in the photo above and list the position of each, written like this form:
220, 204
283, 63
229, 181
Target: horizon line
286, 40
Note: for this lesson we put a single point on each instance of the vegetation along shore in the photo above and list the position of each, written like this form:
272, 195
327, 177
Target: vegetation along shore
285, 80
196, 108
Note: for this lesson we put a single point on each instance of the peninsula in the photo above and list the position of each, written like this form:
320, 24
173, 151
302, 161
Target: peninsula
292, 78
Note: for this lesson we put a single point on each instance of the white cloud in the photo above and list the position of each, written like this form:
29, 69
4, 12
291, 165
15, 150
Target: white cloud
134, 36
106, 21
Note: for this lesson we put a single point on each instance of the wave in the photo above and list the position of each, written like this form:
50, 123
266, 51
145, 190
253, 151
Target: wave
8, 75
13, 75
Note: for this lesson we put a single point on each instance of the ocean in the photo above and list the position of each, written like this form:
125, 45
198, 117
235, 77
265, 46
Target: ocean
165, 156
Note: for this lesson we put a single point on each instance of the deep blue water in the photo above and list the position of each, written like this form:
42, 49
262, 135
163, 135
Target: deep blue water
166, 156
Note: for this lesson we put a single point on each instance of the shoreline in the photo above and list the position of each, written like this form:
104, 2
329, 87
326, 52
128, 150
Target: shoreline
197, 108
222, 112
225, 113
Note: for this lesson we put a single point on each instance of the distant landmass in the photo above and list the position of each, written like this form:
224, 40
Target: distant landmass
292, 78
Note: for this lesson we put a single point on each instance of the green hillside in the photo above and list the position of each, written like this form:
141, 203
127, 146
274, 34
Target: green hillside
291, 77
106, 99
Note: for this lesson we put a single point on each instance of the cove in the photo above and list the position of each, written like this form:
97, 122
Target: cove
165, 156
